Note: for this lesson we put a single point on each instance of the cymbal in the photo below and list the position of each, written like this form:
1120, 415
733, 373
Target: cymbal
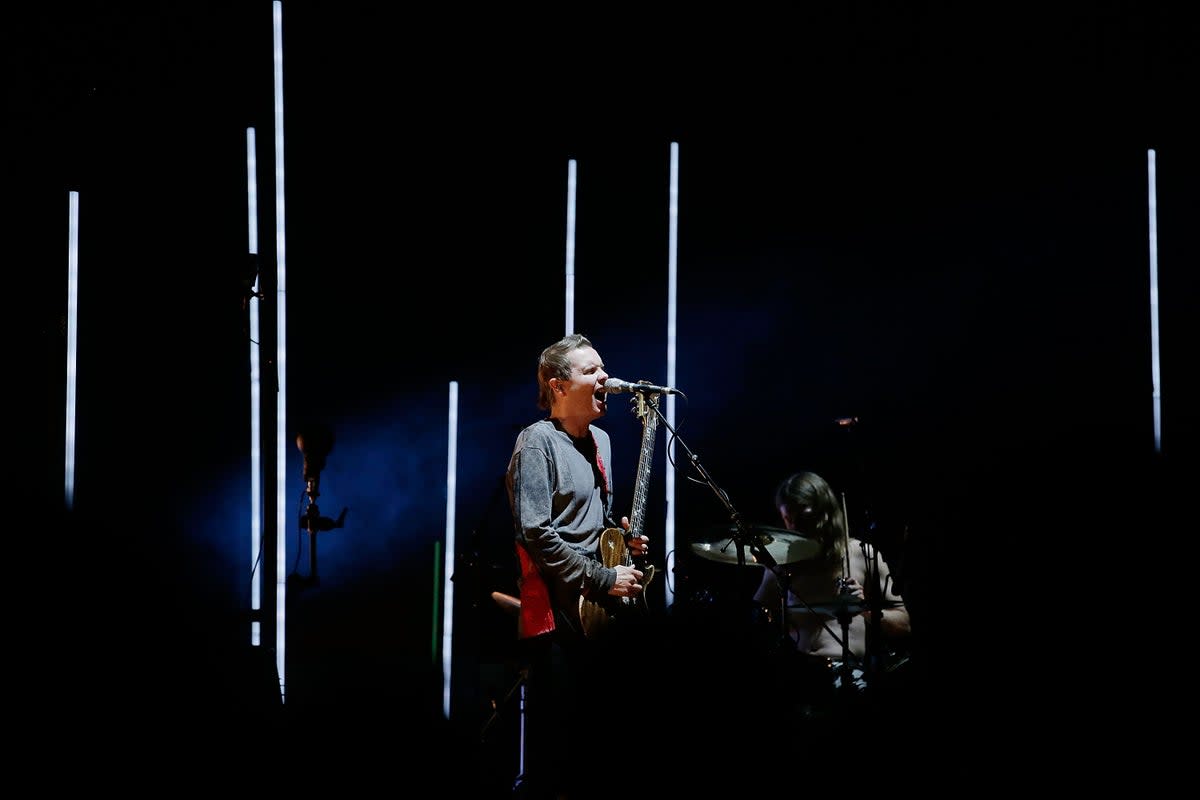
836, 606
725, 552
830, 608
783, 545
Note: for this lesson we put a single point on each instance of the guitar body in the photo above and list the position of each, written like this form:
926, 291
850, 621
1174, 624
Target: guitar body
595, 616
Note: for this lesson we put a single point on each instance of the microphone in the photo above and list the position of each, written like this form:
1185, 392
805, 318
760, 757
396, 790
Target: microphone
617, 386
314, 443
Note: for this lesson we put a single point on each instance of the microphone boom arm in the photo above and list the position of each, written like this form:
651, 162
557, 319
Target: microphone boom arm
744, 537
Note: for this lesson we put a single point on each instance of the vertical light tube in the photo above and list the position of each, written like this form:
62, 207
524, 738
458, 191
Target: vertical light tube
435, 627
281, 511
255, 396
570, 282
72, 339
448, 569
672, 289
1155, 376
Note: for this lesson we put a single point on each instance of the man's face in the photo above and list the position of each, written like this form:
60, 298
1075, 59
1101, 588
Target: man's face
581, 395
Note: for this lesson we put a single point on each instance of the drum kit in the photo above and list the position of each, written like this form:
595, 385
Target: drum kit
723, 578
788, 550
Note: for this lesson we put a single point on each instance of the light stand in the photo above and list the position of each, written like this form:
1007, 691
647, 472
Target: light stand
315, 444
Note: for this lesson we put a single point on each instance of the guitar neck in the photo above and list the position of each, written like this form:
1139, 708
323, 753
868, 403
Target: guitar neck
642, 480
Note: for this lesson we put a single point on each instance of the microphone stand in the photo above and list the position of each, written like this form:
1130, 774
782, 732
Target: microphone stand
745, 538
518, 688
312, 521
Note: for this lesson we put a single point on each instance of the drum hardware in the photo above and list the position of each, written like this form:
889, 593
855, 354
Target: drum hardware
845, 594
763, 544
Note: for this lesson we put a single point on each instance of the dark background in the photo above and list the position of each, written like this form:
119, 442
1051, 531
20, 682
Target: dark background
932, 220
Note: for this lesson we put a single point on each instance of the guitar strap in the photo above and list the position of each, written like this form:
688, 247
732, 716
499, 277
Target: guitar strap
600, 466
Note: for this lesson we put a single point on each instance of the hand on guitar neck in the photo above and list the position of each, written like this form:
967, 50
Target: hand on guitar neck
628, 553
638, 544
639, 553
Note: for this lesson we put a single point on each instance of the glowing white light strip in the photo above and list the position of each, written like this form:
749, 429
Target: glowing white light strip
448, 569
255, 398
672, 289
570, 288
1154, 365
281, 512
72, 323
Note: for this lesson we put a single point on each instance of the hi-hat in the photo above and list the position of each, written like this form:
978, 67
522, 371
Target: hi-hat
783, 545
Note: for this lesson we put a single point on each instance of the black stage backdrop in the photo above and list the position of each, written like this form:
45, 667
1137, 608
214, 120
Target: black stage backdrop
929, 221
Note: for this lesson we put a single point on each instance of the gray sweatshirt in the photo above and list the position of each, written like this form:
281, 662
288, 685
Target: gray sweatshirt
560, 492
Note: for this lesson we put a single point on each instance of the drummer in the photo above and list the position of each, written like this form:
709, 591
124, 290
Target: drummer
828, 614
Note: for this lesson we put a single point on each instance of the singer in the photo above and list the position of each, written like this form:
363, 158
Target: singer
560, 490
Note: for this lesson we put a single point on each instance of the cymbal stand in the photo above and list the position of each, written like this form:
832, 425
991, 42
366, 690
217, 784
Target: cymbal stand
844, 617
874, 597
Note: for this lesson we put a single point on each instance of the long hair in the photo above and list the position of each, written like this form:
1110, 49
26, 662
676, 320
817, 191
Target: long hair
555, 362
815, 513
